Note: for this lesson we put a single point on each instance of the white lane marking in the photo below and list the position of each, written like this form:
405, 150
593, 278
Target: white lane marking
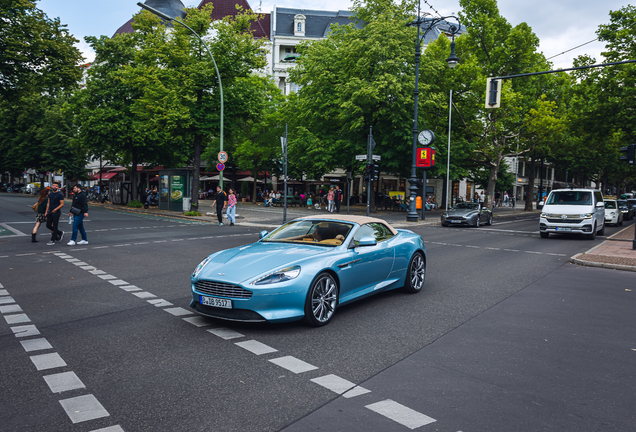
508, 231
81, 263
115, 428
400, 414
25, 331
130, 288
293, 364
100, 247
97, 272
334, 383
17, 319
141, 243
120, 245
107, 276
511, 250
357, 391
490, 248
3, 292
13, 230
72, 260
256, 347
6, 300
76, 249
64, 381
159, 302
118, 282
83, 408
144, 295
64, 256
474, 247
36, 344
532, 252
88, 268
225, 333
198, 321
178, 311
4, 256
26, 254
160, 241
47, 361
10, 309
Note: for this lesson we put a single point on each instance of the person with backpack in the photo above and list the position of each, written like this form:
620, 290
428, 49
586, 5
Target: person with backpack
219, 200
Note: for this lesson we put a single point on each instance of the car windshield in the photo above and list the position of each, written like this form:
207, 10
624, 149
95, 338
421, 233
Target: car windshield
570, 197
315, 232
610, 204
622, 203
466, 206
632, 201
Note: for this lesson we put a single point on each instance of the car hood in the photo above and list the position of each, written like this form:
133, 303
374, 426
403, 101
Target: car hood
460, 212
247, 262
568, 209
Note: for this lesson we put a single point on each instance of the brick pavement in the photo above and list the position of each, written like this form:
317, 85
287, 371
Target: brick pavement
616, 252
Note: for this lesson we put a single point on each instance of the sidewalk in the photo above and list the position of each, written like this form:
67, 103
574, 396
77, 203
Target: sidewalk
251, 214
615, 253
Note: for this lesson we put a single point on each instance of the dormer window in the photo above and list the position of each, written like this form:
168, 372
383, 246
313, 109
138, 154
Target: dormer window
299, 25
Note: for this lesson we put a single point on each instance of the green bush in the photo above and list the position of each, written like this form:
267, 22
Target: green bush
245, 190
193, 213
135, 204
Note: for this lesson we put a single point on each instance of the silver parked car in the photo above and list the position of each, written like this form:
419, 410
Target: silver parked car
471, 214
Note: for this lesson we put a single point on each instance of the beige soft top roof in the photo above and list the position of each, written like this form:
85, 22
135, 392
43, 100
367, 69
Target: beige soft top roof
361, 220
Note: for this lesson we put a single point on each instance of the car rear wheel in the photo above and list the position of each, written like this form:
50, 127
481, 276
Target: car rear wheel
322, 300
416, 274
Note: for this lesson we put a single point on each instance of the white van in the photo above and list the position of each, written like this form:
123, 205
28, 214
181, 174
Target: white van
573, 211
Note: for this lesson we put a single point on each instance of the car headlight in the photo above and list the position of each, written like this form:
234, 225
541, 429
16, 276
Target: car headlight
283, 275
544, 215
200, 267
444, 215
586, 216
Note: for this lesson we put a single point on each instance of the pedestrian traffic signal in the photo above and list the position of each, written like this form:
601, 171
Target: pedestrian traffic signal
630, 154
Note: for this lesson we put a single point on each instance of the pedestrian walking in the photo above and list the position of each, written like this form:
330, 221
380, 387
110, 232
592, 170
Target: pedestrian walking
231, 207
321, 196
40, 217
53, 212
338, 198
79, 210
506, 198
330, 197
219, 201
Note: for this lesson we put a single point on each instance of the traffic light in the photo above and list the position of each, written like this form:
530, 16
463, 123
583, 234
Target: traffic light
630, 154
493, 93
375, 172
368, 170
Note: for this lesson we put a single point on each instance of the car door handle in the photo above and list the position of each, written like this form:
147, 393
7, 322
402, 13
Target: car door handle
343, 265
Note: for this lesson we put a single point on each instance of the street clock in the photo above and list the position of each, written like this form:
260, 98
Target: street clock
426, 137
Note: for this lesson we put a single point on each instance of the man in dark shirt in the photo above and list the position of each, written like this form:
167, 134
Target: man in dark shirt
219, 200
338, 198
53, 212
80, 202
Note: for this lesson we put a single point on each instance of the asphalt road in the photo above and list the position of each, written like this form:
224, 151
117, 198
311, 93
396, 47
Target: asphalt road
505, 336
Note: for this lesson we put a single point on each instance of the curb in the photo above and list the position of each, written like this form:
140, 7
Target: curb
575, 260
617, 233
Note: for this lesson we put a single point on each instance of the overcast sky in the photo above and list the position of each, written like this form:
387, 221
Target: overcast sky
560, 24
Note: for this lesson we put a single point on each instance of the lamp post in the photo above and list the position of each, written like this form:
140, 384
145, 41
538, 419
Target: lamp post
452, 61
218, 75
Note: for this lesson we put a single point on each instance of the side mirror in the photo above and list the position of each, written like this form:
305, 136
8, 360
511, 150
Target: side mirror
262, 234
600, 205
367, 241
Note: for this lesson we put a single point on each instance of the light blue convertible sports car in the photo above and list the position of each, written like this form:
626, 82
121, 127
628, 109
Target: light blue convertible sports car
307, 268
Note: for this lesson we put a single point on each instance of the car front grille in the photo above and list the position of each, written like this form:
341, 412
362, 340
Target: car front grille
222, 289
569, 221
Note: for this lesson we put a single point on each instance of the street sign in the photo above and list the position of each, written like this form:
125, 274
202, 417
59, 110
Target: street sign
361, 157
222, 157
220, 166
376, 157
425, 157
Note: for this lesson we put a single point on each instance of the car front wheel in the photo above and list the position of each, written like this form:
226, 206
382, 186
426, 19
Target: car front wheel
322, 300
416, 274
477, 222
593, 235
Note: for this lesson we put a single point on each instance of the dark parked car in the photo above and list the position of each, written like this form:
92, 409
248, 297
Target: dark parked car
16, 188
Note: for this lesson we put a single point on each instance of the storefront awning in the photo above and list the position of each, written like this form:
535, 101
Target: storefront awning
105, 176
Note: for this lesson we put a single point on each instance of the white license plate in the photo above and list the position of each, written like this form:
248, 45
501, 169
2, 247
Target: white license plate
455, 221
563, 229
215, 302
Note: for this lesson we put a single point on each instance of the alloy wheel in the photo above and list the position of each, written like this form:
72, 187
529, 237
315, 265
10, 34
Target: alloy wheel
324, 298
